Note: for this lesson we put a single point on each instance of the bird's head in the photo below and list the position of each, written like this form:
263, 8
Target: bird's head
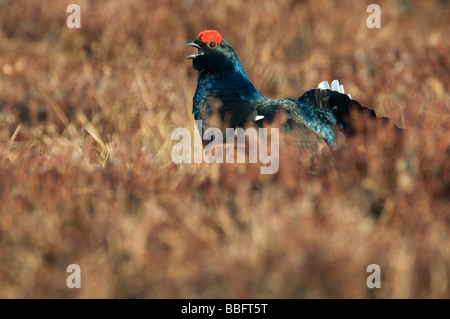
214, 53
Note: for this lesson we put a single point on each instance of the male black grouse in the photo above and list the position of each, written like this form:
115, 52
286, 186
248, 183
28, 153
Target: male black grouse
319, 114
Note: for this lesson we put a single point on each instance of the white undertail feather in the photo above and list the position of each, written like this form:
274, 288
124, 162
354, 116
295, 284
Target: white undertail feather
335, 86
324, 85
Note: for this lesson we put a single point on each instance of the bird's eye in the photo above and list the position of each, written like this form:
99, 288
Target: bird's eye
212, 44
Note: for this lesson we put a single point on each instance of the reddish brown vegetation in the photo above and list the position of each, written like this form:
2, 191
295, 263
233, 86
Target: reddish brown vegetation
86, 175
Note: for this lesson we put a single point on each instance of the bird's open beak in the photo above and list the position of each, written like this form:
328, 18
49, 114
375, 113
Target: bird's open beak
196, 55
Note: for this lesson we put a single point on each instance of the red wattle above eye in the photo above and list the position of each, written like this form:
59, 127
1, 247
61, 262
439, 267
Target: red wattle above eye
210, 36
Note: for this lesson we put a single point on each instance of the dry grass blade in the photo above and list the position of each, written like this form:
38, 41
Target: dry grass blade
86, 175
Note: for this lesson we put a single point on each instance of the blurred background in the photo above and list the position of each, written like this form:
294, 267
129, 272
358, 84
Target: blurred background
86, 176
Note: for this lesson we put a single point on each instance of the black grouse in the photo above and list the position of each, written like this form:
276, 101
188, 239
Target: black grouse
320, 114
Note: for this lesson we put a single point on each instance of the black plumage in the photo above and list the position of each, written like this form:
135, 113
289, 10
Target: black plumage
319, 114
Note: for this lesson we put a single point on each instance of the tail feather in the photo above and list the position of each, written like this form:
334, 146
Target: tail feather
324, 85
334, 99
335, 86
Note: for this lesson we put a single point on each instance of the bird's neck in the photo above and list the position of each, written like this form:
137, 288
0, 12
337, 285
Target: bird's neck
233, 88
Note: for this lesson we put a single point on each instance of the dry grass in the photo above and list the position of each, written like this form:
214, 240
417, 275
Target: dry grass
86, 176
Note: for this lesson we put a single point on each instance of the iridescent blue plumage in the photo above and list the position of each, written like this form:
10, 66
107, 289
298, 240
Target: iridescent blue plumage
318, 114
